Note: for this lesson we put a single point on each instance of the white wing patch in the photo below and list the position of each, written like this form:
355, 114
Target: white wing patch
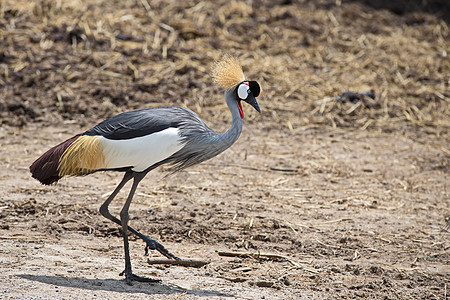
141, 152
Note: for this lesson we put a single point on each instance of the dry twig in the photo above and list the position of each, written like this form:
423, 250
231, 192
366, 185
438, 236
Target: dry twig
196, 263
258, 255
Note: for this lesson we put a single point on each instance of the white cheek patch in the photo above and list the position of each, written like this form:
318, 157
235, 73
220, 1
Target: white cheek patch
243, 91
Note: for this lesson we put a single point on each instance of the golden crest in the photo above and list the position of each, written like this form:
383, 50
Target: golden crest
227, 72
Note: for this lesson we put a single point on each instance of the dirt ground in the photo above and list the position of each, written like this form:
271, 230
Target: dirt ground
329, 199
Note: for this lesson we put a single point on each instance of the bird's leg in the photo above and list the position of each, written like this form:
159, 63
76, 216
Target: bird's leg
104, 210
124, 218
150, 243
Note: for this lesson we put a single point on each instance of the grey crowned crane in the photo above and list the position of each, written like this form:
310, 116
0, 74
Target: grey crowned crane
138, 141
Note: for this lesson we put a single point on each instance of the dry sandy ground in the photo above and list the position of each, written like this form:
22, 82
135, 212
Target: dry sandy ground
350, 213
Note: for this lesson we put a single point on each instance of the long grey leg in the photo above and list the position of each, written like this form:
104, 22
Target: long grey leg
124, 218
151, 243
104, 210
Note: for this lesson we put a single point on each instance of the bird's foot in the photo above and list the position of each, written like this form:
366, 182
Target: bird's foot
154, 245
130, 277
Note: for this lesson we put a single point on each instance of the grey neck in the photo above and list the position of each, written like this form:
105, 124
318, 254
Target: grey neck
232, 134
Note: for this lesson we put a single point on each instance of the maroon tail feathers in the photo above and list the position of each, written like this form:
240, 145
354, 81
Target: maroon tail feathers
45, 168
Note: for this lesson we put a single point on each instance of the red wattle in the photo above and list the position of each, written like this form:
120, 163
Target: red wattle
241, 111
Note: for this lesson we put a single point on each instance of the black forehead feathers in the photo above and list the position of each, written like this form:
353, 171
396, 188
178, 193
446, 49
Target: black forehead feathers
254, 87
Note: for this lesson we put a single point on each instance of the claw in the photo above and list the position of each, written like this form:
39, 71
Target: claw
166, 252
130, 277
154, 245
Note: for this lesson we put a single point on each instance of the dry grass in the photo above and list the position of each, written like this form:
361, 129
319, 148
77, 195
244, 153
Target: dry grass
87, 60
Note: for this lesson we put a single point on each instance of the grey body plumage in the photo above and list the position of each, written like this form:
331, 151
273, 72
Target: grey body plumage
199, 141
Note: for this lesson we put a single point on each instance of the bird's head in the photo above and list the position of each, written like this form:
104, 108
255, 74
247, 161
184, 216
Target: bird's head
247, 91
228, 74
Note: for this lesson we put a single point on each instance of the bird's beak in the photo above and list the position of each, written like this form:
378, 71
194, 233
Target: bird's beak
252, 101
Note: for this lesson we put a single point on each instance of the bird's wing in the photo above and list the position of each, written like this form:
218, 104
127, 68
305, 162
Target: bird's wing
140, 122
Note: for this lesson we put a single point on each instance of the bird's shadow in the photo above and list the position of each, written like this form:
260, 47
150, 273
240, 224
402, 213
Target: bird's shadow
114, 285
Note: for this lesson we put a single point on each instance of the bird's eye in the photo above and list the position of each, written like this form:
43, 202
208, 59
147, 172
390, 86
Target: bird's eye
243, 91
